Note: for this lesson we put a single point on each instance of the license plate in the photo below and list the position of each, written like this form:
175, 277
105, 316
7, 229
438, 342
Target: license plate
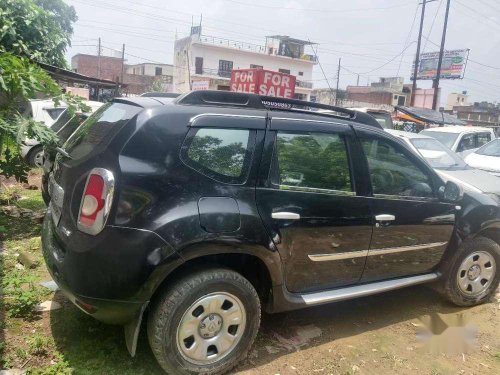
56, 193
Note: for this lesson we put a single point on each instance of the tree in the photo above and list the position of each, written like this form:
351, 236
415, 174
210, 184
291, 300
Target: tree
37, 29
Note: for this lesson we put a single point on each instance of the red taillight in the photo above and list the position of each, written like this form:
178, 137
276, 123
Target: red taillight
96, 201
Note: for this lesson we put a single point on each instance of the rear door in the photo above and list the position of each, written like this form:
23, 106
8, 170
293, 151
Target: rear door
412, 227
307, 199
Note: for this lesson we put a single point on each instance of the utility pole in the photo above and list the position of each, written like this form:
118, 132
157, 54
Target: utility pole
417, 56
435, 84
338, 79
98, 66
123, 63
357, 81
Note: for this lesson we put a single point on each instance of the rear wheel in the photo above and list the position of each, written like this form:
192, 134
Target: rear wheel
205, 323
474, 273
35, 157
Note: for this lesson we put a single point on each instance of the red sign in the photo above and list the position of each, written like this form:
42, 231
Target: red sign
263, 82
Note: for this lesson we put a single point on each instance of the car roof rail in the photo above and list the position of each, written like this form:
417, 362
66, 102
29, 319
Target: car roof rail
247, 100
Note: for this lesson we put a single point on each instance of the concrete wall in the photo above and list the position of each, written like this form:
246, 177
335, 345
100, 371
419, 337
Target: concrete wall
150, 69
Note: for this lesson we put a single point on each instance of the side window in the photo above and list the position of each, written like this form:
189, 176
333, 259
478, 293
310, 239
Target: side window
482, 139
466, 143
312, 161
392, 172
223, 154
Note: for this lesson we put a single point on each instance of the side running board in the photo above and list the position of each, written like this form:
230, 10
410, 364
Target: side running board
356, 291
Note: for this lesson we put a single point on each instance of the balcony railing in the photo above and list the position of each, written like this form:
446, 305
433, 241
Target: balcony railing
303, 84
223, 42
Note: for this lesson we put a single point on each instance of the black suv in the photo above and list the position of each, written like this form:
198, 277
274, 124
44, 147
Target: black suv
201, 212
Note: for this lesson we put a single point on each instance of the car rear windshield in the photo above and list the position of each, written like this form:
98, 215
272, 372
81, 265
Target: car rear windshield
447, 139
490, 149
99, 128
437, 155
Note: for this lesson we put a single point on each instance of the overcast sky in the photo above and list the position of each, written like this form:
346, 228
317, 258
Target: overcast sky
374, 38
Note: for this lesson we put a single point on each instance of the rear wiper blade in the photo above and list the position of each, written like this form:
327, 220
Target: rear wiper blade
63, 152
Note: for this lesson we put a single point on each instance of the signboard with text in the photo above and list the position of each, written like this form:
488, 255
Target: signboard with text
263, 82
200, 85
452, 67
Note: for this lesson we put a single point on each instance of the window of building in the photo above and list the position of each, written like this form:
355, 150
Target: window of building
286, 71
198, 65
223, 154
158, 71
313, 161
142, 70
301, 74
225, 68
254, 66
393, 172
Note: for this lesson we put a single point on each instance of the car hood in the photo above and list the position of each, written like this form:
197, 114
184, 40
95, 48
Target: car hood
473, 179
484, 162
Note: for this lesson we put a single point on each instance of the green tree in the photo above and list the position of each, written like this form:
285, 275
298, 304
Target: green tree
37, 29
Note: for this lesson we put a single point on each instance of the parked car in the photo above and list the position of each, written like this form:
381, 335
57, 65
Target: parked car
186, 214
448, 164
32, 149
486, 158
461, 139
383, 117
44, 110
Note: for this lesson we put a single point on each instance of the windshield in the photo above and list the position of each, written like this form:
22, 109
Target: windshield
437, 155
490, 149
384, 119
447, 139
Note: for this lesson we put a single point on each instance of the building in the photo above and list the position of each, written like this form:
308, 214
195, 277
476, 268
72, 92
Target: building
388, 91
207, 61
479, 114
457, 100
137, 78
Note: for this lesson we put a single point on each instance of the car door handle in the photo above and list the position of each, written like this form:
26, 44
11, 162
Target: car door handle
285, 216
385, 217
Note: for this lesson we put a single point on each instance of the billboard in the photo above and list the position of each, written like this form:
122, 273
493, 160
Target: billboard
200, 85
452, 67
263, 82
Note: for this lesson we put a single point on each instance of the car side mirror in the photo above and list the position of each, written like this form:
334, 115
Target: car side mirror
451, 192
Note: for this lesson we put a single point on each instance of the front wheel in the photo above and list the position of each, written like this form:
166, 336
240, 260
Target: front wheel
474, 274
205, 323
35, 157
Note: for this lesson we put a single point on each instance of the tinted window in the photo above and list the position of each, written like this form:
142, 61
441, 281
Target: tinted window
466, 143
65, 132
482, 139
393, 172
99, 128
54, 113
491, 149
447, 139
220, 153
61, 121
313, 160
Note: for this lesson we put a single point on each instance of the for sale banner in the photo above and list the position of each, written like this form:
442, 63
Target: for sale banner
263, 82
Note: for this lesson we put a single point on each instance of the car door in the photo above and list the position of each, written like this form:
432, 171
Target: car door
307, 199
412, 226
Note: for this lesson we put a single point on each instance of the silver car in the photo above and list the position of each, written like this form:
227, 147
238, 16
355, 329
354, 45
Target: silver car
486, 158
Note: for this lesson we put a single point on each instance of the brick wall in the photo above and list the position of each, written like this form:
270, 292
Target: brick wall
371, 97
111, 67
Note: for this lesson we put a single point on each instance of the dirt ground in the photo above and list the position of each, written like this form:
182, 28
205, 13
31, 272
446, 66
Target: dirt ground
400, 332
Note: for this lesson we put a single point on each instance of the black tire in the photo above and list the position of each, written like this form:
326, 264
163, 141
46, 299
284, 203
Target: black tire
33, 156
450, 283
167, 312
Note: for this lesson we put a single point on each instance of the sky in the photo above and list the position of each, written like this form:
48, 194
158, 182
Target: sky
374, 38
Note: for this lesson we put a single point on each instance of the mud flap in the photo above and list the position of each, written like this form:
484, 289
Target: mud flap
132, 329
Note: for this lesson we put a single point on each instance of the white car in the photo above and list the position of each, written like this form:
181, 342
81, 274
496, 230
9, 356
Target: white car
44, 110
461, 139
32, 150
448, 164
486, 158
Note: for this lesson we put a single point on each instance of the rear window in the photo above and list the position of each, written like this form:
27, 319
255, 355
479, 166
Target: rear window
99, 128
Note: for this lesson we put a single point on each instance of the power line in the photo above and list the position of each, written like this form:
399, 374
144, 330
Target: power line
408, 37
391, 60
432, 25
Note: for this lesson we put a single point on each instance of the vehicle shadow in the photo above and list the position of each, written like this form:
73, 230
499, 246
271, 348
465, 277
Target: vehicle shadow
91, 347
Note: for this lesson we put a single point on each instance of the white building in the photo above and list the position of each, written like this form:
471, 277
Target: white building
149, 69
207, 61
457, 99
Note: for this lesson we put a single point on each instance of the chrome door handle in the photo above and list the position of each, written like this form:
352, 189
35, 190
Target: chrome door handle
285, 216
385, 217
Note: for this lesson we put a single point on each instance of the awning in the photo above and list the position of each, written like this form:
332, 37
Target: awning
60, 74
428, 116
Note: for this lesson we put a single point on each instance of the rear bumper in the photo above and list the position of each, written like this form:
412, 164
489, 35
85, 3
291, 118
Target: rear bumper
105, 277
